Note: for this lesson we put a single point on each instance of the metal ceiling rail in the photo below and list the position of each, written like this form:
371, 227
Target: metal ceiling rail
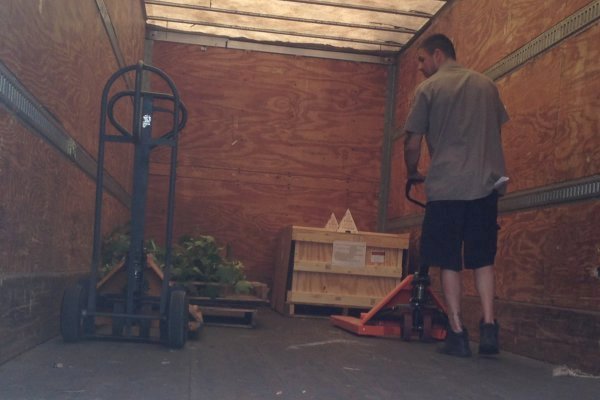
396, 29
274, 31
582, 189
213, 41
572, 24
419, 14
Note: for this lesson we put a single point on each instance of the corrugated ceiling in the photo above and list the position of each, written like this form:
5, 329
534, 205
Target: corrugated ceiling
376, 27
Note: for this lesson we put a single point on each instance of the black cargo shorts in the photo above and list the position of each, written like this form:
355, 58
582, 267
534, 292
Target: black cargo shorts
454, 230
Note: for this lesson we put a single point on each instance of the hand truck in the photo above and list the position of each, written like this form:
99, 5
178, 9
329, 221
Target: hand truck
132, 311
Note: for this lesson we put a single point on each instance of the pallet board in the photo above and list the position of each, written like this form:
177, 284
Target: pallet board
237, 311
324, 311
306, 270
231, 317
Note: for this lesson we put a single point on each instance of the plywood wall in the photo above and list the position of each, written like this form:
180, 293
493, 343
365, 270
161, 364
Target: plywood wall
547, 257
272, 140
60, 52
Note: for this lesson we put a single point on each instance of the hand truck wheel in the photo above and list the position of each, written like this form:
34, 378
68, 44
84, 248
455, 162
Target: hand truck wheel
407, 326
73, 303
177, 319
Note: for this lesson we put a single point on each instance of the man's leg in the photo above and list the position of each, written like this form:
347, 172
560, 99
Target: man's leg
488, 327
451, 285
441, 245
480, 246
457, 338
484, 282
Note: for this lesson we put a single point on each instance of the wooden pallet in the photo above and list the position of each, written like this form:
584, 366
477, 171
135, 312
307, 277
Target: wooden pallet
232, 317
238, 311
322, 311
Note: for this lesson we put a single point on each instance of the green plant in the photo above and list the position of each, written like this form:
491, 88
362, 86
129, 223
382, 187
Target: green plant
157, 251
195, 259
199, 259
114, 248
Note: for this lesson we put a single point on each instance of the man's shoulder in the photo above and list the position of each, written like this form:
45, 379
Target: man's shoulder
480, 76
475, 75
468, 76
453, 73
427, 84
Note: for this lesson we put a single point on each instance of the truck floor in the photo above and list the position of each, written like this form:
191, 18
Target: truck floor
282, 358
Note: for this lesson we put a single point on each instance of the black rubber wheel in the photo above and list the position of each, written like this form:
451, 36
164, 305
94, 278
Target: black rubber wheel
425, 334
177, 319
407, 327
89, 322
145, 323
118, 323
73, 302
162, 326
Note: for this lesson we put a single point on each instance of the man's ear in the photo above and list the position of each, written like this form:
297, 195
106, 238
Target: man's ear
438, 56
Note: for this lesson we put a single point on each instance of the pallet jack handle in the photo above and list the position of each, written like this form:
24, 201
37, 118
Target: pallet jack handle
423, 270
409, 184
421, 279
420, 308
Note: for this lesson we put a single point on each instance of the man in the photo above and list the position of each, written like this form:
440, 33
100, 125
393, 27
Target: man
460, 113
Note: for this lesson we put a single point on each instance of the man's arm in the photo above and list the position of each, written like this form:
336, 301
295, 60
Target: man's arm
412, 154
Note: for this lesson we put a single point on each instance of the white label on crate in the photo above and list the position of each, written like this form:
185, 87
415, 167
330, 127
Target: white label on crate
377, 256
348, 254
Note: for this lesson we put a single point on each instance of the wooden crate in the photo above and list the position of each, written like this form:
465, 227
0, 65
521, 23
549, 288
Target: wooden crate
308, 271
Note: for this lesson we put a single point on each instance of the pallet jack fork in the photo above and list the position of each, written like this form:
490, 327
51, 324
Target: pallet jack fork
411, 308
400, 315
132, 311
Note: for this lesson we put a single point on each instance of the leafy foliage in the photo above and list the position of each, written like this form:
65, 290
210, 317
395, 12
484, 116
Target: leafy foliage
114, 248
199, 259
195, 259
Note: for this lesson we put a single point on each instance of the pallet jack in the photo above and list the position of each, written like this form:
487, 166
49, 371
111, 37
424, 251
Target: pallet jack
410, 309
133, 311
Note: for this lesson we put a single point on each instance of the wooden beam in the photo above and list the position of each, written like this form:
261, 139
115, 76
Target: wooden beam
386, 148
396, 29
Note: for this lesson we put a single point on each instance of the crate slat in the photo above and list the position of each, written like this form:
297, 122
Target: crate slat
307, 272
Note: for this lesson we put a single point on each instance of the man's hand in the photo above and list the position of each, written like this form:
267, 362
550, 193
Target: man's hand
413, 179
416, 178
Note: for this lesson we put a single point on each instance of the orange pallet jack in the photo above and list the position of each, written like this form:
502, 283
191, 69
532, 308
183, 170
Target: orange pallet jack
410, 309
401, 314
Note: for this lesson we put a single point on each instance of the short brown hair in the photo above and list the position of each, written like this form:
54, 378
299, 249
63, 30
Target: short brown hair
439, 41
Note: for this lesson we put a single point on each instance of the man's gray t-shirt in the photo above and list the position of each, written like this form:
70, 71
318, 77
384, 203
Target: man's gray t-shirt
460, 112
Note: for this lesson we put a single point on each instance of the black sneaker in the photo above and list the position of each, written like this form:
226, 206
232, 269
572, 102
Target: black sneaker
488, 338
456, 344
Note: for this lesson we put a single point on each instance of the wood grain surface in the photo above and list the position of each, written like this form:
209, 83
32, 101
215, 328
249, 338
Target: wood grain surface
547, 262
271, 140
550, 256
559, 336
46, 207
552, 100
485, 31
60, 53
127, 18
